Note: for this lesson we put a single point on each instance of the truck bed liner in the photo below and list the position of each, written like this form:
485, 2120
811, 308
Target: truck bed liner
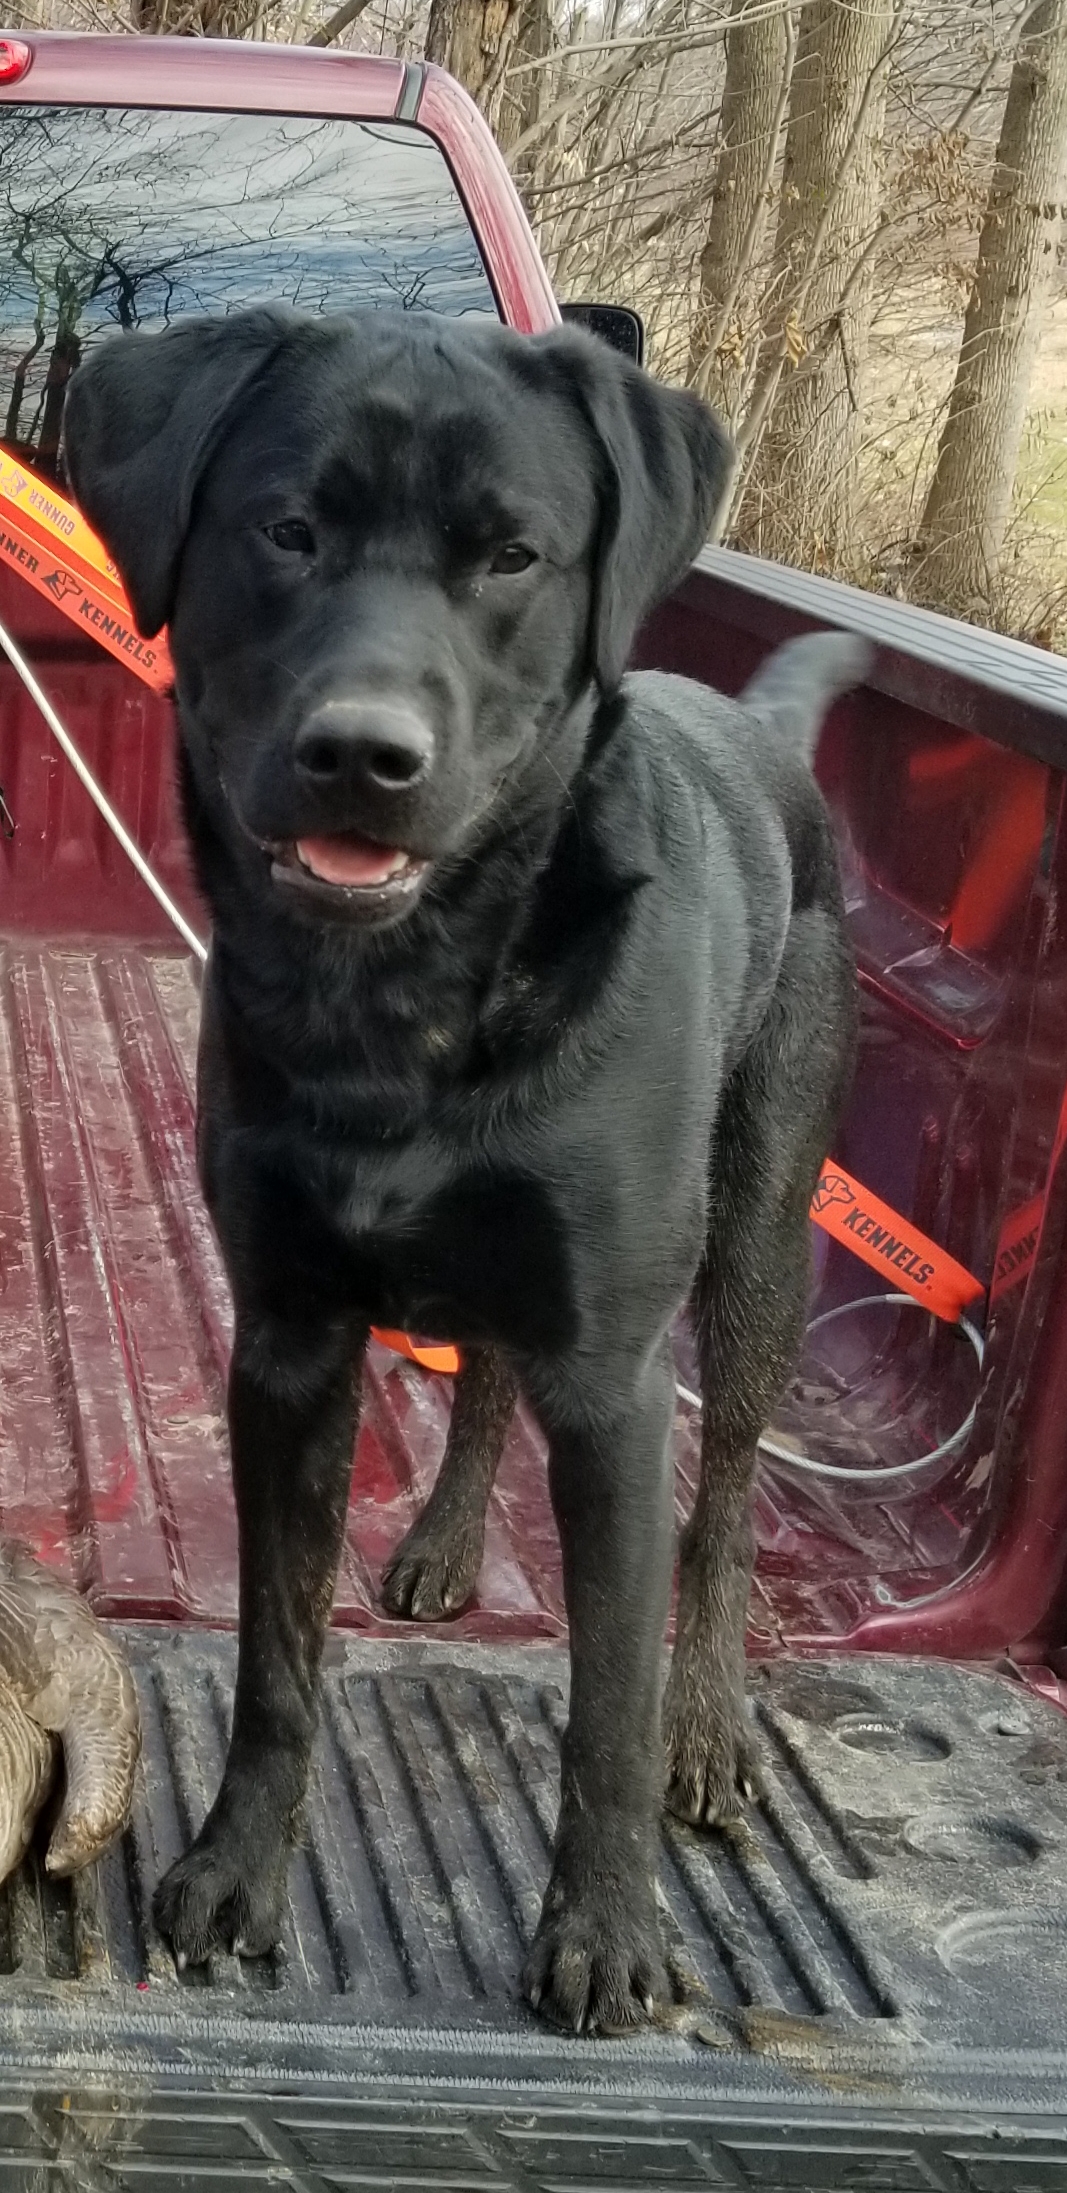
891, 1920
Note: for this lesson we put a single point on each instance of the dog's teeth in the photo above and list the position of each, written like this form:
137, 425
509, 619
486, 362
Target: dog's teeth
399, 861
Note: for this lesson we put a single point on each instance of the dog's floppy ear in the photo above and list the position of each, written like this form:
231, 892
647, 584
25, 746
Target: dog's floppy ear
143, 417
664, 462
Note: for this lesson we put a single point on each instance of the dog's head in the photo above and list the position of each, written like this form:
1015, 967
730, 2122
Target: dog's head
396, 554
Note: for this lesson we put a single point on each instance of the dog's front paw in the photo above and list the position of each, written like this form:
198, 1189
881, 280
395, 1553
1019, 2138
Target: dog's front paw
713, 1763
434, 1570
597, 1964
221, 1896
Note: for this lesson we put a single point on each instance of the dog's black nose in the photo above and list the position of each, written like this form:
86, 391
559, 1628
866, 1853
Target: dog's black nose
382, 746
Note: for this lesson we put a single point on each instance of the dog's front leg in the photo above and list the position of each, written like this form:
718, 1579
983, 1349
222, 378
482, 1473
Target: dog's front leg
293, 1412
597, 1964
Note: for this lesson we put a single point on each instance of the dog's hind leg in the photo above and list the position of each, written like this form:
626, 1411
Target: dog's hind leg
435, 1568
776, 1120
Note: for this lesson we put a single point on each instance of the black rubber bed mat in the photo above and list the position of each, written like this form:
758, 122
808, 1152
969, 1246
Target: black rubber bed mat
882, 1948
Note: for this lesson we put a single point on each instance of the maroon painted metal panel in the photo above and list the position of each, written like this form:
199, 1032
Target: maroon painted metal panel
523, 289
115, 1321
72, 69
946, 778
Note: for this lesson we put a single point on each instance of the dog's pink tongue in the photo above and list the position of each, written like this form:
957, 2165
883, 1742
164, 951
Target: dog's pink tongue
347, 860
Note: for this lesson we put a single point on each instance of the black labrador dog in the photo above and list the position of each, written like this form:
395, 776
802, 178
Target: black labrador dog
528, 1015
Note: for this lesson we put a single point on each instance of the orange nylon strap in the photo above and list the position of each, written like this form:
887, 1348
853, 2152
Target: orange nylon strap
45, 540
1017, 1245
848, 1211
434, 1356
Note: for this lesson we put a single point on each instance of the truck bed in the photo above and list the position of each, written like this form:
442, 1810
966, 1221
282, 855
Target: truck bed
881, 1949
866, 1944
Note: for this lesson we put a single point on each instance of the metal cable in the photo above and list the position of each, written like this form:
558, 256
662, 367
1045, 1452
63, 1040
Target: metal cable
97, 794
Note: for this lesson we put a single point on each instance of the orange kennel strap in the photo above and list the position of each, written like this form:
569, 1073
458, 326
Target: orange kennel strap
849, 1213
45, 540
433, 1355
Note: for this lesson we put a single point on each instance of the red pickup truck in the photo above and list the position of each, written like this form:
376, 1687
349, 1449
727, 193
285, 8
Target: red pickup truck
882, 1945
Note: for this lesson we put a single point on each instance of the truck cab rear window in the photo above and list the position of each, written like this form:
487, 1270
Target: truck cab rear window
115, 217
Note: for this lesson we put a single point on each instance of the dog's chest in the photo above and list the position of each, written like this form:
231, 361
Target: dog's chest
464, 1256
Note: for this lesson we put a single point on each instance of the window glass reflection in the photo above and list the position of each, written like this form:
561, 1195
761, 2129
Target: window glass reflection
113, 217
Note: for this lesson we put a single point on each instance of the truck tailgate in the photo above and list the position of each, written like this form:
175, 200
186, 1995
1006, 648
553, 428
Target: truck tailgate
883, 1975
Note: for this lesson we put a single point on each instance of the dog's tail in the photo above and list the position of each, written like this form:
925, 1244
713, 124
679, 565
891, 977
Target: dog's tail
798, 683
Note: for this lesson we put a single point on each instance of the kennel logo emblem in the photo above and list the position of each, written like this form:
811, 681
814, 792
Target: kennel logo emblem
832, 1189
881, 1244
62, 584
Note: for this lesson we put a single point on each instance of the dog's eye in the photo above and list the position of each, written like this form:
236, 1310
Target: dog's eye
515, 557
293, 534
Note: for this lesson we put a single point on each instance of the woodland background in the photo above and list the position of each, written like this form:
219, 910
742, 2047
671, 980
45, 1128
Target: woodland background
841, 220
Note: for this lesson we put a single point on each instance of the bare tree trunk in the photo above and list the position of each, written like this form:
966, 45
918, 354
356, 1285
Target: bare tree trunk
65, 360
520, 103
800, 491
969, 502
20, 376
759, 58
473, 39
193, 18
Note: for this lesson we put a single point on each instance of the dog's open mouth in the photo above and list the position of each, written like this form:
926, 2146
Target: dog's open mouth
349, 870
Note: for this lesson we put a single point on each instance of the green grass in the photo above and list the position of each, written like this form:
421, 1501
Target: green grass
1041, 485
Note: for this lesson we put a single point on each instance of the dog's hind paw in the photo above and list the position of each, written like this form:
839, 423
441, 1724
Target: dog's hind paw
433, 1573
713, 1761
215, 1898
598, 1970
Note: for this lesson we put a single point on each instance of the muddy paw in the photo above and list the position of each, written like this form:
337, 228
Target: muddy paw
432, 1574
216, 1897
713, 1763
596, 1968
